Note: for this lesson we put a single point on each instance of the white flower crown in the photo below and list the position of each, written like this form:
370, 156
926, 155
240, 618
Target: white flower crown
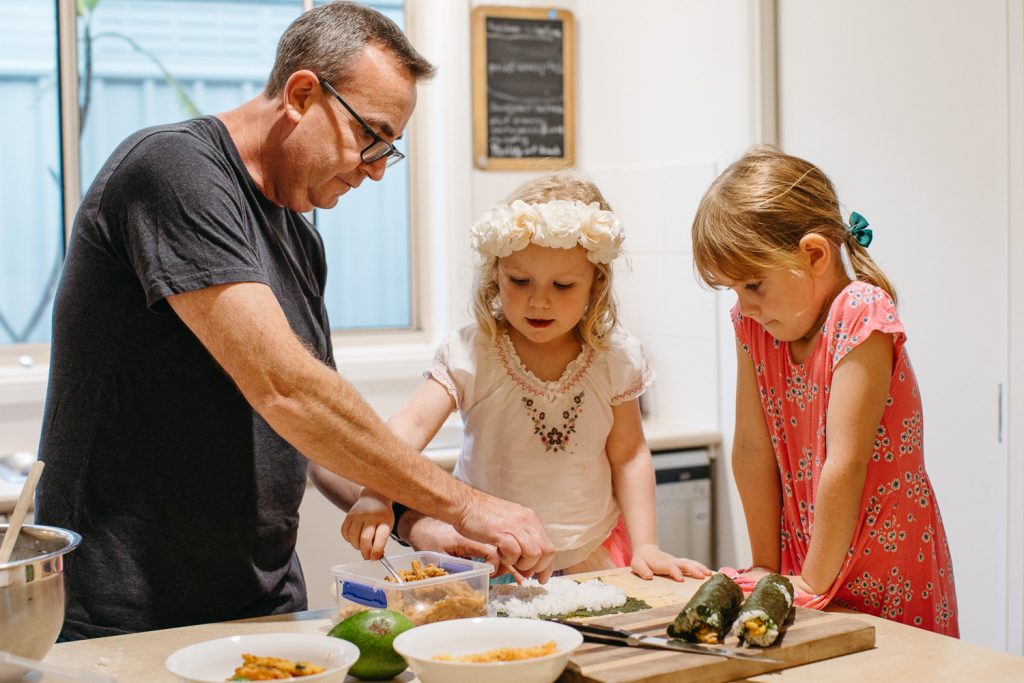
559, 224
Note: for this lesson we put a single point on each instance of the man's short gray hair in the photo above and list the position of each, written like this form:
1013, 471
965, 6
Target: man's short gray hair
328, 38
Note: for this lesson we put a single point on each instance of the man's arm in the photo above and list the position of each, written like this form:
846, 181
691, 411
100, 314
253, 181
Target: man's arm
324, 417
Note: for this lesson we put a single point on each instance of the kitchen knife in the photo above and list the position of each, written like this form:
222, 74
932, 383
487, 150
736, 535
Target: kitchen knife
614, 636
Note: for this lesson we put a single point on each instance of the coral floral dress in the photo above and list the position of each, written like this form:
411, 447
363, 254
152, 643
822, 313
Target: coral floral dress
898, 565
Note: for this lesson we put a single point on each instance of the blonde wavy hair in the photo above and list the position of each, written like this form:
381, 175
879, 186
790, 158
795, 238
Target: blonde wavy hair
601, 316
754, 215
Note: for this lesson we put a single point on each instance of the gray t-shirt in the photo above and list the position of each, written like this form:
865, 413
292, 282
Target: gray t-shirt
187, 501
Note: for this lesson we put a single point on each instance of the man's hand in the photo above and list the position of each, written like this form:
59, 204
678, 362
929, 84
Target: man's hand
428, 533
514, 531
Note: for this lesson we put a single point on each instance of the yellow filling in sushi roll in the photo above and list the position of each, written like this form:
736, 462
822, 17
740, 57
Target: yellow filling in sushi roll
755, 627
707, 634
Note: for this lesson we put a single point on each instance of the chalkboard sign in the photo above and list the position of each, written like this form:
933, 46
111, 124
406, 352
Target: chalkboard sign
523, 102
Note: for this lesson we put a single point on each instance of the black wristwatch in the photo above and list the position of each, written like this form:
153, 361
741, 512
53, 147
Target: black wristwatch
397, 509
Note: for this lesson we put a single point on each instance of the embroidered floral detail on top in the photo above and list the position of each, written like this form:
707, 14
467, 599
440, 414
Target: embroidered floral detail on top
554, 436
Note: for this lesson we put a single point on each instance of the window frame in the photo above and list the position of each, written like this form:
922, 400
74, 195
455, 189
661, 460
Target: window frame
371, 352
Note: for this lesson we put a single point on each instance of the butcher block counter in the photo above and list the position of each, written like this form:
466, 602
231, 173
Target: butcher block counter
900, 653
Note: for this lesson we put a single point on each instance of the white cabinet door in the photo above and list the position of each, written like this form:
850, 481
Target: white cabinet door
904, 105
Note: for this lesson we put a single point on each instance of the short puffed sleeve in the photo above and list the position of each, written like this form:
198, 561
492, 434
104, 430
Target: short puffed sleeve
454, 364
742, 326
629, 369
859, 310
752, 337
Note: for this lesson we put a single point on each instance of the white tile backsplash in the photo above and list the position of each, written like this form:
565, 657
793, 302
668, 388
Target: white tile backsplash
656, 203
686, 387
659, 294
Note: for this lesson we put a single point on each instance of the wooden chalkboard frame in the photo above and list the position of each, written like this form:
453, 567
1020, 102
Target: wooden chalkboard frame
481, 156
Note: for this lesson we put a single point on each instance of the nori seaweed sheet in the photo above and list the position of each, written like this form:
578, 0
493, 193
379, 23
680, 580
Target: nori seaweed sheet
716, 604
769, 599
631, 605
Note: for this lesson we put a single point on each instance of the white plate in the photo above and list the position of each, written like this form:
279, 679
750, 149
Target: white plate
457, 637
214, 661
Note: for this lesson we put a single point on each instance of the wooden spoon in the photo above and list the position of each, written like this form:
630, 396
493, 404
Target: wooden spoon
20, 510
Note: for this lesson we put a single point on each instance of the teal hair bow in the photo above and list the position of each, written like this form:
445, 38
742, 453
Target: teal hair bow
860, 230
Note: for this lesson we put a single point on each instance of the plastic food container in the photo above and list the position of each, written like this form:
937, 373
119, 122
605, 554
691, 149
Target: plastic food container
462, 593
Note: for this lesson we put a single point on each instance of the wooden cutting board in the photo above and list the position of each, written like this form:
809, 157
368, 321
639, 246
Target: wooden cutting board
811, 636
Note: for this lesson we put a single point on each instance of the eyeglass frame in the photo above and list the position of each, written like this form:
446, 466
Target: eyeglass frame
390, 152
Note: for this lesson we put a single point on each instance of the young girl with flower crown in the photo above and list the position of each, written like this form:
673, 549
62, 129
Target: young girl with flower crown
828, 452
547, 385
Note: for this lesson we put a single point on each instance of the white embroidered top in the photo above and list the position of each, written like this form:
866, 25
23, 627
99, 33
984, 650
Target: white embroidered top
542, 444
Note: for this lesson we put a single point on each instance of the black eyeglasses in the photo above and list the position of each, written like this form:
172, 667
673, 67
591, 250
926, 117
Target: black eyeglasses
379, 148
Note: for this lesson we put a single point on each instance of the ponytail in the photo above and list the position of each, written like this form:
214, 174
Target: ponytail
754, 215
865, 268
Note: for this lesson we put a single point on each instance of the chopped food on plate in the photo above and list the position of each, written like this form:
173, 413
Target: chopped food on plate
502, 654
272, 669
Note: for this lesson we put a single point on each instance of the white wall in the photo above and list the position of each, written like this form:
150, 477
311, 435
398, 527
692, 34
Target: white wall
913, 125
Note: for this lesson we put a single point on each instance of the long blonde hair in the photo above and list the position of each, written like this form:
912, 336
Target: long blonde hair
601, 316
754, 215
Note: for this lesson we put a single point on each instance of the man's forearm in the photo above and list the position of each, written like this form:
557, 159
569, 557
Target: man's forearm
309, 404
330, 423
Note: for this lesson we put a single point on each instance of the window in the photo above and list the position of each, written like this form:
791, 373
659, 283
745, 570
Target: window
146, 62
31, 231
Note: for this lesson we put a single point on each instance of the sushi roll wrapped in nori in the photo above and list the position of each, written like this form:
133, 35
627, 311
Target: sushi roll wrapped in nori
763, 614
710, 613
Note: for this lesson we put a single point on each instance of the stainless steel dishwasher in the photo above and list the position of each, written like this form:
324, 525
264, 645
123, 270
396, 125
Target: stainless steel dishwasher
684, 502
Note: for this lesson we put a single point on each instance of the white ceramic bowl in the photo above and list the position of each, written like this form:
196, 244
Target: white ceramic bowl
457, 637
214, 661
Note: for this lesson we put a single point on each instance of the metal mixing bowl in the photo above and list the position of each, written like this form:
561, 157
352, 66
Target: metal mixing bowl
32, 590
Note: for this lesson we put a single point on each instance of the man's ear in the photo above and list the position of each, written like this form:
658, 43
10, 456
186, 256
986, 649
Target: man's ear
816, 253
300, 92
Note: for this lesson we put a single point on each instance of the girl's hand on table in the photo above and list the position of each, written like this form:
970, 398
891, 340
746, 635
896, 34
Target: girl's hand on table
650, 560
804, 593
748, 578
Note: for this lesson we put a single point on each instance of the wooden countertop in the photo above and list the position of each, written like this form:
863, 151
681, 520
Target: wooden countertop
902, 653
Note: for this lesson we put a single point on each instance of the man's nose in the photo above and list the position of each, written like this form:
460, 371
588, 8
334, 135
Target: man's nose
375, 171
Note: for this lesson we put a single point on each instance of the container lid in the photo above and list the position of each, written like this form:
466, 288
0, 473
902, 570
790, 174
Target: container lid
373, 573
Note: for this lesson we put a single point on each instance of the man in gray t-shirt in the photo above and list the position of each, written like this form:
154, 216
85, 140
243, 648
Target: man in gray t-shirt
191, 368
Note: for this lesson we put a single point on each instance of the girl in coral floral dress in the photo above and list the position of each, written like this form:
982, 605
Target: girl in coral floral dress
828, 452
548, 387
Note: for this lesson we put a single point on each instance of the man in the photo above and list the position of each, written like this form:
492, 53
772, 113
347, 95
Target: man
191, 367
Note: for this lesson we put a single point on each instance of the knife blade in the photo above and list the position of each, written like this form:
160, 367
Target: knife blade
654, 642
614, 636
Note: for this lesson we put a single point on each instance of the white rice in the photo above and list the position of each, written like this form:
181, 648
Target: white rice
562, 596
766, 638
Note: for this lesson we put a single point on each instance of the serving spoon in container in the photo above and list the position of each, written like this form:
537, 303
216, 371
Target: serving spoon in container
391, 569
20, 510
